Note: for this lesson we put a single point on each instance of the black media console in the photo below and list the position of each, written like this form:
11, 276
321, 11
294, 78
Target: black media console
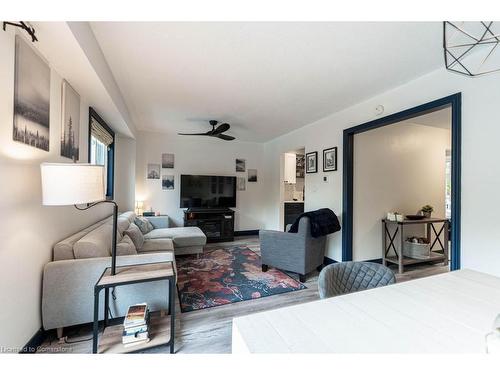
216, 223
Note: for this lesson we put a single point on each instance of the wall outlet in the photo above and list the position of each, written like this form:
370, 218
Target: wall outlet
325, 178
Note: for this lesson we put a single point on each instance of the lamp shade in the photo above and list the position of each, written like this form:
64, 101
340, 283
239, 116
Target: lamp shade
69, 184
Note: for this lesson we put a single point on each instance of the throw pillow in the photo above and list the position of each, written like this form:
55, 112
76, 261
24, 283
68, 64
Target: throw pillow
135, 235
126, 247
144, 225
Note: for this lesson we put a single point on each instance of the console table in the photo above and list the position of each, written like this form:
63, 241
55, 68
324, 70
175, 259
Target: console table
161, 328
217, 224
390, 230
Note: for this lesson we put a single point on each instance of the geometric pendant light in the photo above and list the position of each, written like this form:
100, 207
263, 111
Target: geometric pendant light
471, 48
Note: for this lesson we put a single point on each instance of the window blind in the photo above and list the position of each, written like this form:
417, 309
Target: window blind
100, 133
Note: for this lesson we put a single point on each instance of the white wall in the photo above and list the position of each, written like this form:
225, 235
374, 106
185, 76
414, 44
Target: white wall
29, 230
400, 168
198, 155
480, 173
125, 150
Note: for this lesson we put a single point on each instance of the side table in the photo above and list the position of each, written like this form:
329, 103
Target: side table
437, 254
161, 328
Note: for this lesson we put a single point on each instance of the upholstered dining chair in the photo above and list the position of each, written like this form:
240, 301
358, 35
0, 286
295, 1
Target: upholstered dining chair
347, 277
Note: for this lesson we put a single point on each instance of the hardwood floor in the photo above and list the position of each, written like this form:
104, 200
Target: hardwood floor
209, 330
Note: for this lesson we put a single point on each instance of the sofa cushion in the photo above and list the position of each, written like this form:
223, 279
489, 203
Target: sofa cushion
144, 225
157, 244
129, 215
64, 248
182, 236
95, 244
125, 247
135, 234
122, 225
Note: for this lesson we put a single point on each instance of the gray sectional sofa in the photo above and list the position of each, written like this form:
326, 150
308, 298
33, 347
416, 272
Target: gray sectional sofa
79, 260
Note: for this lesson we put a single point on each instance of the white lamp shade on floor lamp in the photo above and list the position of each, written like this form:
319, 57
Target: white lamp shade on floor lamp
71, 184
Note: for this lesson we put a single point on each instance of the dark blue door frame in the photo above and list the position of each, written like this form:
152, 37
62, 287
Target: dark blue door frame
453, 101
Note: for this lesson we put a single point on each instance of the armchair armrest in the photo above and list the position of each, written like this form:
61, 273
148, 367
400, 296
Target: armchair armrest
278, 241
277, 235
283, 250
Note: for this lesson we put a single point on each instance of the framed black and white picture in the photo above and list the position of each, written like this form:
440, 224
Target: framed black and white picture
240, 183
167, 182
252, 175
167, 161
31, 97
300, 165
70, 127
330, 159
240, 165
312, 162
153, 172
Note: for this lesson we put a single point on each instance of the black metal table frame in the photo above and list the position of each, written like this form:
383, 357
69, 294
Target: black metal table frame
430, 226
171, 304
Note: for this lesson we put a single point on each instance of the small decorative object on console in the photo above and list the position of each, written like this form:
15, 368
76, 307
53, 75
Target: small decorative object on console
427, 210
415, 217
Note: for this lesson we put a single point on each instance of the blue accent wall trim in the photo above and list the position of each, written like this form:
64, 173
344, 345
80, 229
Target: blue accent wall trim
455, 102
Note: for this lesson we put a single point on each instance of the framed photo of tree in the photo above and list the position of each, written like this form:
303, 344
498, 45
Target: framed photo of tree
312, 162
330, 159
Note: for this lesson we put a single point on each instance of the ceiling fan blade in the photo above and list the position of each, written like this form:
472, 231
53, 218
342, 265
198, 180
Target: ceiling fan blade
221, 129
193, 133
225, 137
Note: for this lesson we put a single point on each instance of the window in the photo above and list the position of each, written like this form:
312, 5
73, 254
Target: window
101, 148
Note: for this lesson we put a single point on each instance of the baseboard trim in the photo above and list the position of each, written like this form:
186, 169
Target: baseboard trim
327, 261
331, 261
377, 260
240, 233
34, 343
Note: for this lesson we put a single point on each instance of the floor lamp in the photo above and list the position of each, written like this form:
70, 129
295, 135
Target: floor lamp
77, 184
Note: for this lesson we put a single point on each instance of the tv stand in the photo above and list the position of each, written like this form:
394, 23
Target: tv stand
216, 223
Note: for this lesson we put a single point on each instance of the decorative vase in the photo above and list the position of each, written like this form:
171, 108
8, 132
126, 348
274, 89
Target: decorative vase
427, 214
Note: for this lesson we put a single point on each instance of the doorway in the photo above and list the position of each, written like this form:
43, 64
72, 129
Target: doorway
452, 102
292, 184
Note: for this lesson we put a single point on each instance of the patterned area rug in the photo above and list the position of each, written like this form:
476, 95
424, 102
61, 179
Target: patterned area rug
227, 275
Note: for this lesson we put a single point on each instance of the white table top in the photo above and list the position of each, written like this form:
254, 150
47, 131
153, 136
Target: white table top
447, 313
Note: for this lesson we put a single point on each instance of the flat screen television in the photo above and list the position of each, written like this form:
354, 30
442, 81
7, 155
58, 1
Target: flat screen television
208, 191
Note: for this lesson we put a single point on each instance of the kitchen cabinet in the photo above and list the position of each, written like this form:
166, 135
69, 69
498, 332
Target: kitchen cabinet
290, 168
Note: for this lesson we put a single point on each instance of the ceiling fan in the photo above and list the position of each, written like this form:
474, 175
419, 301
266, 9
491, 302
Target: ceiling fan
216, 131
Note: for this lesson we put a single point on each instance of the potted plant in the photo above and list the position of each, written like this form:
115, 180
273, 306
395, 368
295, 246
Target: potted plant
427, 210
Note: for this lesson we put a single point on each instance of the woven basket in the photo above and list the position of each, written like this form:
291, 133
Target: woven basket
417, 250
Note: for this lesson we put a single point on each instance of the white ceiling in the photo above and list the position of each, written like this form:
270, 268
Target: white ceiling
265, 79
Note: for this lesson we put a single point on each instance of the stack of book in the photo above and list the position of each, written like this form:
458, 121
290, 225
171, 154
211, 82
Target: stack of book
136, 325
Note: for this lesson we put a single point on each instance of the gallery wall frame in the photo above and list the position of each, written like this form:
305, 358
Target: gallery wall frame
330, 159
312, 162
31, 122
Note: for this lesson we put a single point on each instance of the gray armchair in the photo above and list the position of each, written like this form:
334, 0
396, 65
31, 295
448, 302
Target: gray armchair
347, 277
296, 252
